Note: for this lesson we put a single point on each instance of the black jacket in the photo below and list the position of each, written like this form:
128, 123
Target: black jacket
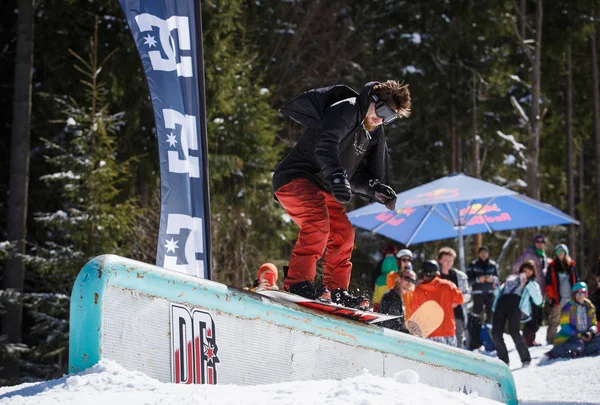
595, 298
479, 268
334, 141
392, 304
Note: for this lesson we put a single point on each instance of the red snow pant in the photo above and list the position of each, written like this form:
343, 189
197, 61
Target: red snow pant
323, 224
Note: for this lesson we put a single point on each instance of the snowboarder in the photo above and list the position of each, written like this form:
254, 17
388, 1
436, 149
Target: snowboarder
343, 153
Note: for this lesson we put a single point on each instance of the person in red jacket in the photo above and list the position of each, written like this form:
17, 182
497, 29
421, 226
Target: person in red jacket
561, 276
445, 293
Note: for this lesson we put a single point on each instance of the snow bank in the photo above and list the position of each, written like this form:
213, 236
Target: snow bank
109, 383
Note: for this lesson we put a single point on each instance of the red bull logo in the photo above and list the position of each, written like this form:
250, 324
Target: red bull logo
480, 214
479, 209
395, 218
434, 196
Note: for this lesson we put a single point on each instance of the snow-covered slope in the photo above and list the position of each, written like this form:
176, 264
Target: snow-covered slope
565, 382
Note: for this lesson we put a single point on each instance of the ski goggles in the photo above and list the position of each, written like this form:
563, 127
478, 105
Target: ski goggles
383, 111
559, 251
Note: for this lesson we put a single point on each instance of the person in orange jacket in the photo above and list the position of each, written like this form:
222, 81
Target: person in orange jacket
445, 293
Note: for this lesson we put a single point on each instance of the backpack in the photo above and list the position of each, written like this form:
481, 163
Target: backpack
308, 108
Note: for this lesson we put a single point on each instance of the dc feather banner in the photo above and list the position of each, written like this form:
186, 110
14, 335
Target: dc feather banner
168, 35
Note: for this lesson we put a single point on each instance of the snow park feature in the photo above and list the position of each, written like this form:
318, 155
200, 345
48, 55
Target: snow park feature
178, 328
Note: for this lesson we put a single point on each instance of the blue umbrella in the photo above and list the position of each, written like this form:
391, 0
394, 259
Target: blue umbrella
454, 206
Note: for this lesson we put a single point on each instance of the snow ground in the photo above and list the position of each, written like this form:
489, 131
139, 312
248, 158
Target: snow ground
563, 382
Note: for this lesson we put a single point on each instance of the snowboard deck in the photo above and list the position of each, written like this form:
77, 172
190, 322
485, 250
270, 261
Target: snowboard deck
368, 317
427, 318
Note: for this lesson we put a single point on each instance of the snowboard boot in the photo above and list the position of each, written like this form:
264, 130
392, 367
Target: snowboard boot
323, 294
304, 289
343, 297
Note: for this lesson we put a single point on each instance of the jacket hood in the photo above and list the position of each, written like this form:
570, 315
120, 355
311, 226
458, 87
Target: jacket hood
363, 100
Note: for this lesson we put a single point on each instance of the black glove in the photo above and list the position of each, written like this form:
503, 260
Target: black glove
586, 337
340, 187
383, 194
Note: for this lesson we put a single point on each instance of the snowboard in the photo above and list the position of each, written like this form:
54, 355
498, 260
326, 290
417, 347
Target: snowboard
427, 318
368, 317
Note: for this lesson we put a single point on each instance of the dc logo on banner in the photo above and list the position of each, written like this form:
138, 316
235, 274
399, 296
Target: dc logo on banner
149, 24
189, 141
178, 227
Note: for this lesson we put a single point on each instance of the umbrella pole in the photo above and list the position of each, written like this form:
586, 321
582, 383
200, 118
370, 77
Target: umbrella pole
461, 248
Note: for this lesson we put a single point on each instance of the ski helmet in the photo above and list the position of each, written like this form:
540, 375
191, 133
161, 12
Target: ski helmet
580, 286
430, 268
404, 252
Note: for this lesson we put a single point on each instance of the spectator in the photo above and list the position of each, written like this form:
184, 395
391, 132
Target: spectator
535, 253
267, 277
405, 257
446, 257
561, 276
578, 327
445, 293
483, 277
388, 266
392, 302
596, 296
512, 304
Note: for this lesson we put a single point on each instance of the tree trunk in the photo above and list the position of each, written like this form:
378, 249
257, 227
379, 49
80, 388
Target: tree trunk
523, 20
452, 124
475, 147
14, 274
535, 120
570, 168
596, 98
581, 263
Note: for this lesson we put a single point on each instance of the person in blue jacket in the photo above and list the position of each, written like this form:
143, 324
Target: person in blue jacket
513, 304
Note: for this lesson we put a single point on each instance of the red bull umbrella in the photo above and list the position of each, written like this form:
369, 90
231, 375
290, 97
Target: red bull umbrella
454, 206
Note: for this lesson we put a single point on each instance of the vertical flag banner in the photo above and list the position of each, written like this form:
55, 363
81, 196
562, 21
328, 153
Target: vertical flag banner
168, 35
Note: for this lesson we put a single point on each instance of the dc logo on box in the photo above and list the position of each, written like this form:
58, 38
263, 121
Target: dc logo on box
193, 346
164, 51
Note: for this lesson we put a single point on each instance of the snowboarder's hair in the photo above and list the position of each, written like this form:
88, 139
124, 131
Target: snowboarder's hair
446, 251
528, 264
395, 95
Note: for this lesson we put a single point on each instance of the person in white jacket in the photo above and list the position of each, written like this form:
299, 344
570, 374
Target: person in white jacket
446, 257
513, 304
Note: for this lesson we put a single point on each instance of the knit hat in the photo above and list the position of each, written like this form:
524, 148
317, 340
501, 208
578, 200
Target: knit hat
580, 286
562, 247
268, 267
